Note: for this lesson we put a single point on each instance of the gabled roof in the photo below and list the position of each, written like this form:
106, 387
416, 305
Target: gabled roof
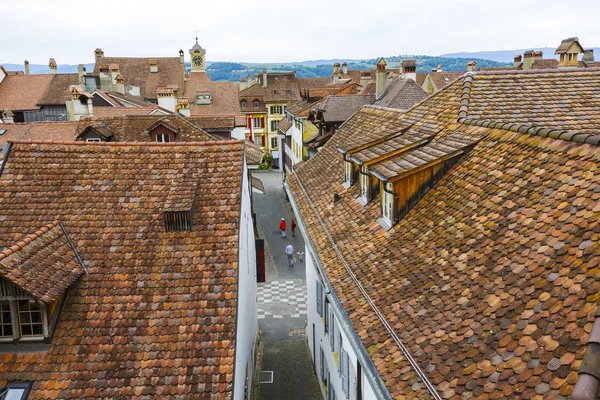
340, 108
284, 125
225, 100
133, 128
254, 154
136, 72
37, 131
565, 44
105, 112
443, 79
162, 303
282, 87
23, 92
214, 122
474, 281
100, 129
44, 264
165, 122
402, 94
57, 92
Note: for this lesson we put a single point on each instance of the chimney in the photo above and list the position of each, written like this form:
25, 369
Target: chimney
472, 66
27, 71
53, 66
439, 68
98, 53
380, 77
517, 61
529, 58
345, 68
181, 58
81, 73
264, 79
243, 83
166, 98
119, 84
365, 77
8, 117
153, 66
409, 69
183, 106
588, 56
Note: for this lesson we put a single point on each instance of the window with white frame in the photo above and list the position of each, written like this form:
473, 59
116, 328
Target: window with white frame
348, 172
320, 298
6, 325
257, 122
275, 109
273, 125
332, 330
15, 391
256, 104
364, 185
30, 318
244, 104
163, 138
95, 140
22, 319
344, 373
388, 203
274, 143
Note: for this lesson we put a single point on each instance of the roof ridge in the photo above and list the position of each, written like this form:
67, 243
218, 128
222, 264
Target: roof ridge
535, 71
586, 138
130, 144
28, 239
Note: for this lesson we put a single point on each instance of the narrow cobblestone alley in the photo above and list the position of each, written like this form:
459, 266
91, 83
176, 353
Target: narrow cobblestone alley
281, 301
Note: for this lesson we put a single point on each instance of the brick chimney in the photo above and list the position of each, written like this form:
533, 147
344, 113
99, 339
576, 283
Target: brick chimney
27, 71
264, 78
517, 61
53, 66
345, 68
409, 69
181, 58
472, 66
380, 78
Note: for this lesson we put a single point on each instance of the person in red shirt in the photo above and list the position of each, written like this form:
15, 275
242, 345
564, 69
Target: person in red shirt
282, 227
293, 228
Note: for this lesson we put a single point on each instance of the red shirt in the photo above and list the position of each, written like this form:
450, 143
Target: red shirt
282, 225
293, 225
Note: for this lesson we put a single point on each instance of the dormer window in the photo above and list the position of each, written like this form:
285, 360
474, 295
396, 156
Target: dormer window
388, 204
163, 131
350, 174
153, 66
244, 104
163, 137
368, 186
256, 104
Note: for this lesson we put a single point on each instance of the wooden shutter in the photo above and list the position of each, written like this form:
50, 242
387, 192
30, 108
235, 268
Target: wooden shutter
322, 364
262, 122
332, 331
320, 298
262, 140
344, 373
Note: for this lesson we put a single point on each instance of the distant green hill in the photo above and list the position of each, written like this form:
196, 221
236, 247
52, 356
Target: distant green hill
231, 71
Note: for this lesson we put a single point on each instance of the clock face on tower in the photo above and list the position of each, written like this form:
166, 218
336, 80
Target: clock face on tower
197, 60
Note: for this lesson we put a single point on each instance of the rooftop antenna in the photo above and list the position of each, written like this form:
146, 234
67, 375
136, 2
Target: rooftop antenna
196, 35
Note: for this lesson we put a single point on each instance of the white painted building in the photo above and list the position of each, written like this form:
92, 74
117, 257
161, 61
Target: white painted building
247, 322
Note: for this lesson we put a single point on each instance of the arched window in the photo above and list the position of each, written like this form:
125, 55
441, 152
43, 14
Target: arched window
256, 104
244, 104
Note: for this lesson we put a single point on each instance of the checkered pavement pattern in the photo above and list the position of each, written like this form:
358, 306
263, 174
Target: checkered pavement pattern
287, 292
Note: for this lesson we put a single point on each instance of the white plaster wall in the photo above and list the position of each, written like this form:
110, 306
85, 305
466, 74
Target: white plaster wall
168, 103
247, 322
297, 136
2, 74
239, 133
321, 339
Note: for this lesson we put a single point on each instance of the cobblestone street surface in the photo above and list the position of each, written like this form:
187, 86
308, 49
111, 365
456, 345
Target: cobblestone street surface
293, 376
281, 302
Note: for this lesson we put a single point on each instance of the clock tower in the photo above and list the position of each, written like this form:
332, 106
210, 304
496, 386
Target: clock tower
197, 55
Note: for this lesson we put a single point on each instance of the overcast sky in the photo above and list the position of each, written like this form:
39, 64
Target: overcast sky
285, 31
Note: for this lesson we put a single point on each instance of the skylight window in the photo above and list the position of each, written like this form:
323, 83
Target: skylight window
2, 131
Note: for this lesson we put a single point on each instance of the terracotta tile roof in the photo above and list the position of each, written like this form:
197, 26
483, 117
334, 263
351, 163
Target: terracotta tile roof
104, 112
254, 154
136, 72
57, 92
123, 99
38, 131
23, 92
282, 87
477, 279
402, 94
545, 63
443, 79
565, 44
305, 83
421, 78
132, 128
284, 125
225, 99
258, 185
156, 314
44, 264
395, 143
340, 108
216, 122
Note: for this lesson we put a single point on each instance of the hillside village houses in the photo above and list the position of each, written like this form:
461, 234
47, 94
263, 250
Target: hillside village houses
452, 250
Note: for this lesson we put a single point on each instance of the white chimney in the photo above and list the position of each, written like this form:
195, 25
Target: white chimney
183, 106
409, 69
439, 68
181, 58
264, 80
166, 98
345, 68
27, 71
472, 66
53, 66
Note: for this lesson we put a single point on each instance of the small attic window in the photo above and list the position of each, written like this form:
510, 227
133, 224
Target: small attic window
244, 104
256, 104
178, 221
288, 91
350, 173
2, 131
274, 91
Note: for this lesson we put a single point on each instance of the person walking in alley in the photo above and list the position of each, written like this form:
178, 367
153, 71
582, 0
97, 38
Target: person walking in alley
289, 250
282, 227
293, 228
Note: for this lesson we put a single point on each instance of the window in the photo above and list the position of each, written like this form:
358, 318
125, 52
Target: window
163, 137
320, 298
256, 104
15, 391
257, 122
344, 373
30, 318
6, 329
332, 331
364, 186
326, 312
388, 203
322, 365
95, 140
274, 143
274, 126
244, 104
275, 109
348, 173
